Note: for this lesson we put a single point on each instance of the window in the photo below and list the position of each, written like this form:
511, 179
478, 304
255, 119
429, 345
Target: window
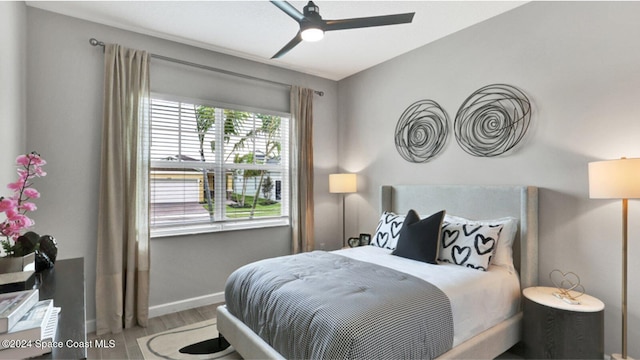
216, 168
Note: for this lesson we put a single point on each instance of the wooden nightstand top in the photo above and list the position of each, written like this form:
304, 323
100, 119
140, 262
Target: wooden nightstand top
544, 296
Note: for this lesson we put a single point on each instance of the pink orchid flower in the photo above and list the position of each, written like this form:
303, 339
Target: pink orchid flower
16, 186
31, 193
6, 204
23, 160
28, 206
24, 174
12, 214
36, 159
39, 172
4, 230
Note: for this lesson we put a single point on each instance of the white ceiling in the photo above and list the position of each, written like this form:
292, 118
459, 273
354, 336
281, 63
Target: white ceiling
256, 30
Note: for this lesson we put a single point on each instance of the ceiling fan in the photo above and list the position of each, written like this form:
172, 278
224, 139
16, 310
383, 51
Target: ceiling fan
312, 26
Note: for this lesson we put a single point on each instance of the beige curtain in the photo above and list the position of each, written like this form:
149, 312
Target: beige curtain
302, 169
122, 273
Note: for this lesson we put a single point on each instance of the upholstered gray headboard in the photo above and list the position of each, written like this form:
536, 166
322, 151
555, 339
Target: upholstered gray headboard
480, 203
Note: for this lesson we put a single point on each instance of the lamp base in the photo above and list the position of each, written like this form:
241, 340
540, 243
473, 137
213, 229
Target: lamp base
619, 357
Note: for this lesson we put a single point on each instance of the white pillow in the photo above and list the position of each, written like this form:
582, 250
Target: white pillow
388, 230
504, 252
470, 245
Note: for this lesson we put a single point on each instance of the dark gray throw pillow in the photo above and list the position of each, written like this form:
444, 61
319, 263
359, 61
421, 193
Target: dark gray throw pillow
419, 239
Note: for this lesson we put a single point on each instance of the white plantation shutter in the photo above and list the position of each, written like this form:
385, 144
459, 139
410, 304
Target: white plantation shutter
242, 151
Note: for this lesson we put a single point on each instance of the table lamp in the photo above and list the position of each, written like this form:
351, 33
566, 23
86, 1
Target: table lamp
617, 179
342, 184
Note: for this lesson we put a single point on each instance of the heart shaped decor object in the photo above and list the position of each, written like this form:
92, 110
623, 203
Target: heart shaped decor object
568, 285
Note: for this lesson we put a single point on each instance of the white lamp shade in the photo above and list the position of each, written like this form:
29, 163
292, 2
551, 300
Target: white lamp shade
342, 183
615, 179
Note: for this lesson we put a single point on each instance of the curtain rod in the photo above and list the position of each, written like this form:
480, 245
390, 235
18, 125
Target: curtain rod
95, 42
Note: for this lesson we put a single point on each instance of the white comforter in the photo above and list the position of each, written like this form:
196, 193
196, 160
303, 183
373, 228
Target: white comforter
479, 300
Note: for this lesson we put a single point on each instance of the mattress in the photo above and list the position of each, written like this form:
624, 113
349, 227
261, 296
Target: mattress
479, 299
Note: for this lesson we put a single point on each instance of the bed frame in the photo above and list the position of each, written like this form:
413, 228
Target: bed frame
473, 202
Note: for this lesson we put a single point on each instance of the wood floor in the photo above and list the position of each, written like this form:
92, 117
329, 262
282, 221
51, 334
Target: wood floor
126, 344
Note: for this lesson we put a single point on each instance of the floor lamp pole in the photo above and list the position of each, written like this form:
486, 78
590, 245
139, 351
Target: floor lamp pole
343, 231
624, 277
625, 207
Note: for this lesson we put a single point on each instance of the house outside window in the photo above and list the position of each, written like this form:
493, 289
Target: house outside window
216, 167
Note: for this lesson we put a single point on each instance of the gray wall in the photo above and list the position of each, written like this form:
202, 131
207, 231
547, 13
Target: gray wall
13, 36
579, 63
64, 88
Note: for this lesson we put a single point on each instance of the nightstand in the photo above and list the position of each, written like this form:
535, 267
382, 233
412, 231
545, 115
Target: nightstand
554, 329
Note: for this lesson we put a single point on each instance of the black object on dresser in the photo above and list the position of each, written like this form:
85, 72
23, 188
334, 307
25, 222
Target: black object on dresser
64, 283
554, 329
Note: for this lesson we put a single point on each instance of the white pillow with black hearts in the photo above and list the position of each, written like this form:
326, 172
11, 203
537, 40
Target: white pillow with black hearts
504, 253
388, 231
470, 245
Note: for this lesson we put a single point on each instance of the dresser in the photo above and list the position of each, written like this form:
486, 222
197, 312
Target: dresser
64, 283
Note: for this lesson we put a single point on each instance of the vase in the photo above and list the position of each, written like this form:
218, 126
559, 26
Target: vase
17, 273
10, 264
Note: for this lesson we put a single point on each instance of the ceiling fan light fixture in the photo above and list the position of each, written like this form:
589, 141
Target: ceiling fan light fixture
312, 26
312, 34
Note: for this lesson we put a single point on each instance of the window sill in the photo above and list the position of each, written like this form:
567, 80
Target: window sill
219, 227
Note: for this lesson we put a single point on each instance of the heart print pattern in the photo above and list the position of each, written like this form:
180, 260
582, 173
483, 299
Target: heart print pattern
470, 245
388, 231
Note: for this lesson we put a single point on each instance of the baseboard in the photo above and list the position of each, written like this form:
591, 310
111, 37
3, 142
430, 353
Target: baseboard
91, 326
172, 307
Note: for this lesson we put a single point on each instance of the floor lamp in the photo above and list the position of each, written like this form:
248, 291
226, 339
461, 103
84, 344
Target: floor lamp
617, 179
342, 184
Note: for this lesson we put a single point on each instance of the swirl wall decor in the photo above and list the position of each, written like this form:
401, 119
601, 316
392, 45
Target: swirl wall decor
421, 131
492, 120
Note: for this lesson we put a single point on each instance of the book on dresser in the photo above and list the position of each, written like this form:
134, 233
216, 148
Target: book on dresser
14, 305
33, 335
31, 326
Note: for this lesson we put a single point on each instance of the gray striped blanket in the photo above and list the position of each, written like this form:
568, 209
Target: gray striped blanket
321, 305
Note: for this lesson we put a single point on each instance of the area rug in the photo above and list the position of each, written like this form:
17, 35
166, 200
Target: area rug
200, 339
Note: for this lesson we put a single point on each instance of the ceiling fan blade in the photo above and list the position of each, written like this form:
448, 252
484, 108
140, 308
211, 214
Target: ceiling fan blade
289, 10
355, 23
295, 41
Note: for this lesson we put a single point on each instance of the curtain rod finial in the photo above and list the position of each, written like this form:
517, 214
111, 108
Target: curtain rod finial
95, 42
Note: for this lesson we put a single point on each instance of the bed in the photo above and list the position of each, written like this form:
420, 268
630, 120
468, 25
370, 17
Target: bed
472, 202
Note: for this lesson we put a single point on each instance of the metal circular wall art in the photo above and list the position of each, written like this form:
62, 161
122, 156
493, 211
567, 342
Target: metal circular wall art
421, 131
492, 120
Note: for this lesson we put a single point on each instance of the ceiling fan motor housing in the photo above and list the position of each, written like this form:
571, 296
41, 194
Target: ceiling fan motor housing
311, 9
312, 17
